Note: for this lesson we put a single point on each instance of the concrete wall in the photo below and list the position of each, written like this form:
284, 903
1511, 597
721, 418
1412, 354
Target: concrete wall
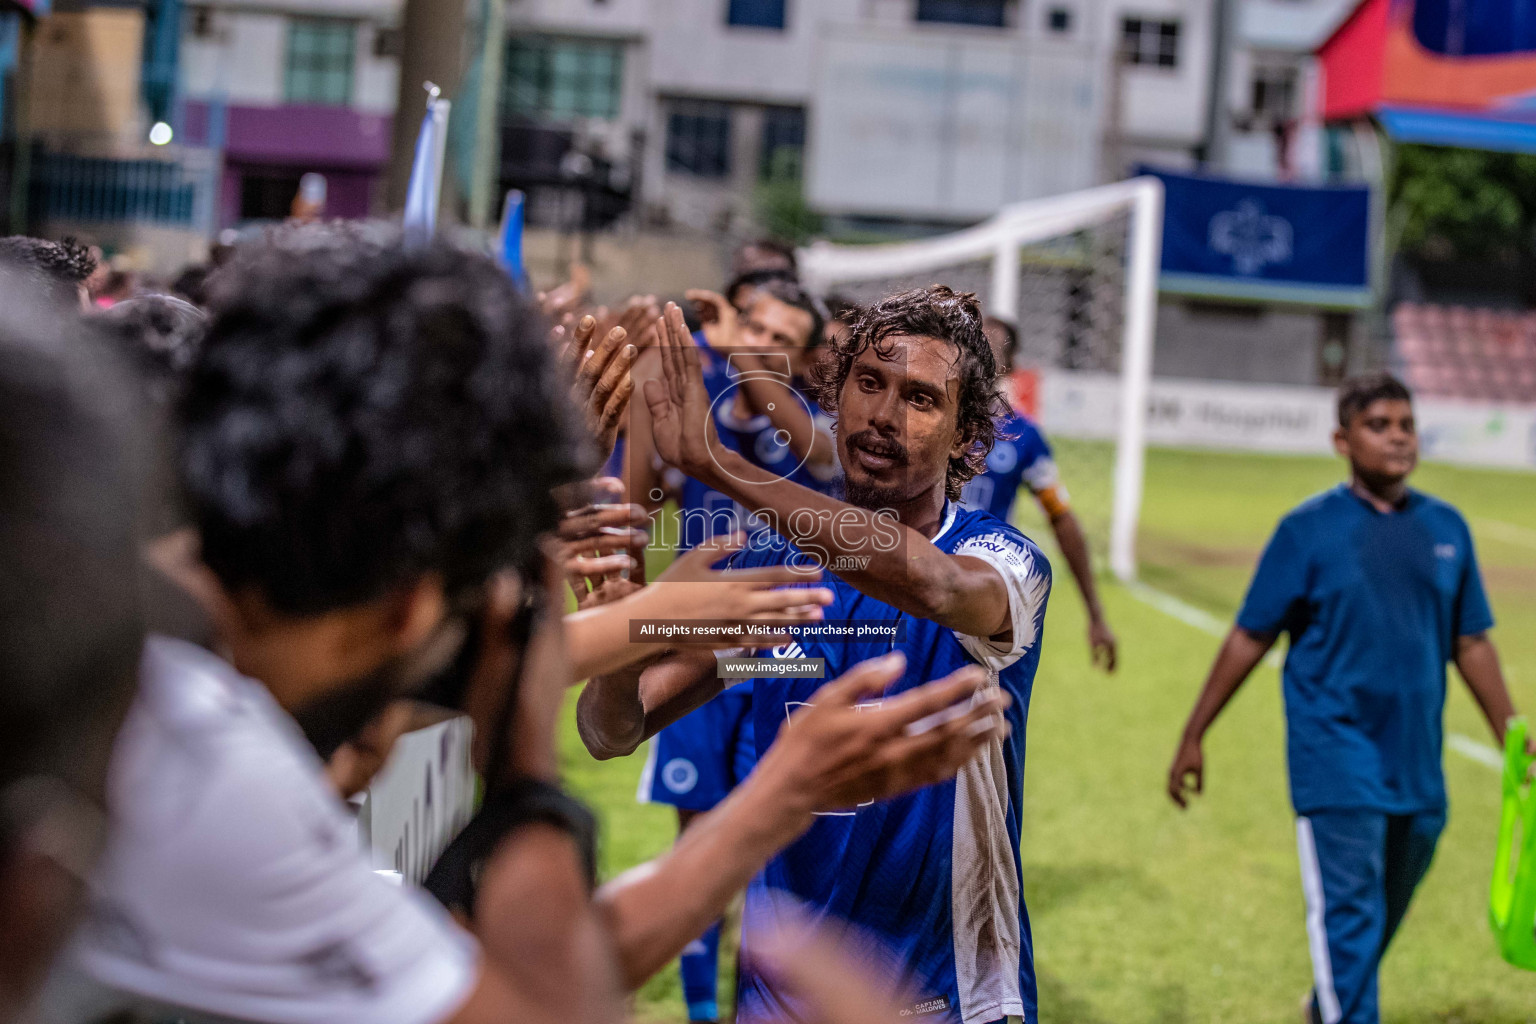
84, 82
1215, 341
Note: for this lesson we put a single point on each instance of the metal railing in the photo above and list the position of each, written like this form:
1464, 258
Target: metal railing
177, 192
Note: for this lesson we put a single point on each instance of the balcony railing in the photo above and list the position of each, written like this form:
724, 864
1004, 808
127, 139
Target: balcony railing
175, 192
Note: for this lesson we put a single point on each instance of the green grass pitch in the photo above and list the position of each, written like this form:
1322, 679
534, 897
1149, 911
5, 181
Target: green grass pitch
1144, 915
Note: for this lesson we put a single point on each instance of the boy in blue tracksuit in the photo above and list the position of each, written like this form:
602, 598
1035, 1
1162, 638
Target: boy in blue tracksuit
1378, 588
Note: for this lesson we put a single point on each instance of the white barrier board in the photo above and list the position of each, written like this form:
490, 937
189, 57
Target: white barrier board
1270, 418
420, 800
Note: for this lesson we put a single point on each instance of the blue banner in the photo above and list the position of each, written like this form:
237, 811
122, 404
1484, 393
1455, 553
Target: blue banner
1280, 243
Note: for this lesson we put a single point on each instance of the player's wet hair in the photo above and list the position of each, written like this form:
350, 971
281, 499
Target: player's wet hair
70, 620
360, 415
1357, 393
934, 312
790, 293
841, 308
58, 268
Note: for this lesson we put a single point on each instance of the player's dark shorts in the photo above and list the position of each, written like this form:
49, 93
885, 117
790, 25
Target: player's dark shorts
694, 762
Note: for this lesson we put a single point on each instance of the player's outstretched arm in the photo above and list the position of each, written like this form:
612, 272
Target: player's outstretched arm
874, 553
1239, 654
830, 756
1074, 548
1478, 662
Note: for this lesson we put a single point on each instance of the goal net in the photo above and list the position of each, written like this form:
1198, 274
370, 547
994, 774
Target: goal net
1076, 275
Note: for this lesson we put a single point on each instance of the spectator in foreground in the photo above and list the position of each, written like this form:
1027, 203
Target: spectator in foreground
369, 439
70, 629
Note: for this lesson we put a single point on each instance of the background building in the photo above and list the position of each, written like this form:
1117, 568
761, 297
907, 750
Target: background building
285, 89
894, 113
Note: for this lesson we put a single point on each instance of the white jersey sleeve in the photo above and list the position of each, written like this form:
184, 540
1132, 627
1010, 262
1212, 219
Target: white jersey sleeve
1029, 585
234, 884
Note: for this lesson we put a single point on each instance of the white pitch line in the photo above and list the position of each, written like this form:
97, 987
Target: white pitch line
1482, 753
1188, 614
1204, 621
1509, 533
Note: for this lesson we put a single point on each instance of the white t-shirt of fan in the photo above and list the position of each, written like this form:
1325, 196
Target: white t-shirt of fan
233, 884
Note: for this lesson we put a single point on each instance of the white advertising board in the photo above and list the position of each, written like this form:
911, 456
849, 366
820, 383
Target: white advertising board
1266, 418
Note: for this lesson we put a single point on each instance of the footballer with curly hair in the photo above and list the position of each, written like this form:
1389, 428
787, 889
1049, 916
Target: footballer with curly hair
933, 876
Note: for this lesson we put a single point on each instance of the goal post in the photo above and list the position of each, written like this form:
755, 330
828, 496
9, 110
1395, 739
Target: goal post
1076, 273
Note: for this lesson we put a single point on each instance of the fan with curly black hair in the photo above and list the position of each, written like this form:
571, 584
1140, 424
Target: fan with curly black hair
359, 416
59, 268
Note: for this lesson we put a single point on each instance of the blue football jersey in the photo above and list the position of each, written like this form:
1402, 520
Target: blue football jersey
933, 877
1020, 456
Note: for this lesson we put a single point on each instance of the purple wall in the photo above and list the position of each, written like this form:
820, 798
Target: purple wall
349, 147
295, 134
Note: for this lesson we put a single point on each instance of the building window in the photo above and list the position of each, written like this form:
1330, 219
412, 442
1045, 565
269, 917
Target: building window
783, 143
1059, 19
1150, 43
319, 68
992, 13
1274, 91
699, 139
755, 13
563, 78
388, 42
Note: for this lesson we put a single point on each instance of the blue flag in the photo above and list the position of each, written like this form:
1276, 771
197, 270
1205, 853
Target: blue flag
425, 189
509, 250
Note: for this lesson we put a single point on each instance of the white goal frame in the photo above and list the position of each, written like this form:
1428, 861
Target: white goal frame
823, 266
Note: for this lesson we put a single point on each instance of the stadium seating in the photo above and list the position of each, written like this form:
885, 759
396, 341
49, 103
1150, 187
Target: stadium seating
1475, 354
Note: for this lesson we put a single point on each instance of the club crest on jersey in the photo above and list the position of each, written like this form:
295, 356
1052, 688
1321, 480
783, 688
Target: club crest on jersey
789, 650
679, 775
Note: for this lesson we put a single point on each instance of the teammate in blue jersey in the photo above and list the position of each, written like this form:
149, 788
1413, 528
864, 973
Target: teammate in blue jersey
933, 877
753, 364
1377, 586
1022, 457
773, 342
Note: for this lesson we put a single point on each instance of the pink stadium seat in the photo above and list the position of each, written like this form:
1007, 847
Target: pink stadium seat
1457, 352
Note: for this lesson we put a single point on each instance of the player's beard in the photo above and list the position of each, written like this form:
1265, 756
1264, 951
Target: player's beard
874, 496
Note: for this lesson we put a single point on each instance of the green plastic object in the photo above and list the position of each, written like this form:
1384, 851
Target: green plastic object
1512, 899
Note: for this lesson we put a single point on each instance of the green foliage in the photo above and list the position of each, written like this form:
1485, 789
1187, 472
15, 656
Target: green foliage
780, 202
1464, 203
